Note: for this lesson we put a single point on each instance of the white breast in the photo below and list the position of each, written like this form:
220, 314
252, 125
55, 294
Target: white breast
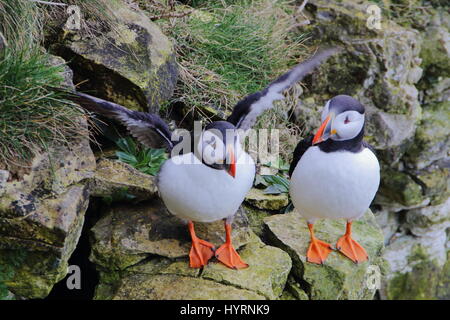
199, 193
334, 185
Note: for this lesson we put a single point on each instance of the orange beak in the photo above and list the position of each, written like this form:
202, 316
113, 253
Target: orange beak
232, 162
323, 132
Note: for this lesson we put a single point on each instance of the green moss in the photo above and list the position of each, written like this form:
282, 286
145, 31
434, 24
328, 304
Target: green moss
267, 274
443, 290
418, 284
432, 135
436, 185
400, 187
256, 219
10, 261
109, 282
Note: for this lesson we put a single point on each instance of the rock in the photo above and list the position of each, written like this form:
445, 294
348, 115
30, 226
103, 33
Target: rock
173, 287
435, 51
114, 177
164, 278
429, 221
131, 63
399, 187
267, 274
4, 175
432, 138
389, 222
67, 72
256, 219
435, 181
339, 277
438, 91
3, 43
126, 235
417, 267
293, 287
443, 289
261, 200
41, 218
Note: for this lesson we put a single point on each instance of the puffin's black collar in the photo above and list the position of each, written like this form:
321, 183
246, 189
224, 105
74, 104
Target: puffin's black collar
354, 145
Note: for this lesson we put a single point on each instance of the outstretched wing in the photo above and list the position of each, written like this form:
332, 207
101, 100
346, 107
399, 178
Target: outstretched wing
248, 109
141, 125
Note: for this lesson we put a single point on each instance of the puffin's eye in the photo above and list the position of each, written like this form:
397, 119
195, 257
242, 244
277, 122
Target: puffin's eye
212, 142
347, 120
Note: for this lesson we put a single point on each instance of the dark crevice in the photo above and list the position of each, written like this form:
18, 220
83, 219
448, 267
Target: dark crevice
80, 257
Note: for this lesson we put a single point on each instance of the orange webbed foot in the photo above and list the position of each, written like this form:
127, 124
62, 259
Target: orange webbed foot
227, 254
350, 248
229, 257
201, 252
318, 251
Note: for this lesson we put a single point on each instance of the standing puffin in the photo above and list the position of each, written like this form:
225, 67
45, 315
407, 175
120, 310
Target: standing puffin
209, 181
335, 175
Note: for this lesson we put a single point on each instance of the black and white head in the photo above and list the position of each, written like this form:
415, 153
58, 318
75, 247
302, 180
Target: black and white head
342, 121
220, 147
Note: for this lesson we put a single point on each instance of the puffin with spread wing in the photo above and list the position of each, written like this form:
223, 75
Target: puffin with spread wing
335, 175
209, 182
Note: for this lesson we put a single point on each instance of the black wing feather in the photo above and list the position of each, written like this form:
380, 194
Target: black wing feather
300, 149
141, 125
247, 110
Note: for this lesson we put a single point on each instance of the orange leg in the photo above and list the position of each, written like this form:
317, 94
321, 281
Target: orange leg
318, 250
227, 254
201, 250
350, 248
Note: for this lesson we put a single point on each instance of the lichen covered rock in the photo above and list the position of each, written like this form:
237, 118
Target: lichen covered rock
399, 188
432, 138
126, 235
132, 64
41, 217
261, 200
429, 221
417, 268
339, 277
113, 177
267, 274
173, 287
162, 278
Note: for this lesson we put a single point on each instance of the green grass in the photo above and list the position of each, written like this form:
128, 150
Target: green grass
32, 116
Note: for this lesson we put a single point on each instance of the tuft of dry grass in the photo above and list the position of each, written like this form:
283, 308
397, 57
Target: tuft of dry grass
228, 49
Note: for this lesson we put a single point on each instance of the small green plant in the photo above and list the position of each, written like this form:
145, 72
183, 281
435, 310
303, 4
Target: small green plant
279, 165
276, 184
146, 160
